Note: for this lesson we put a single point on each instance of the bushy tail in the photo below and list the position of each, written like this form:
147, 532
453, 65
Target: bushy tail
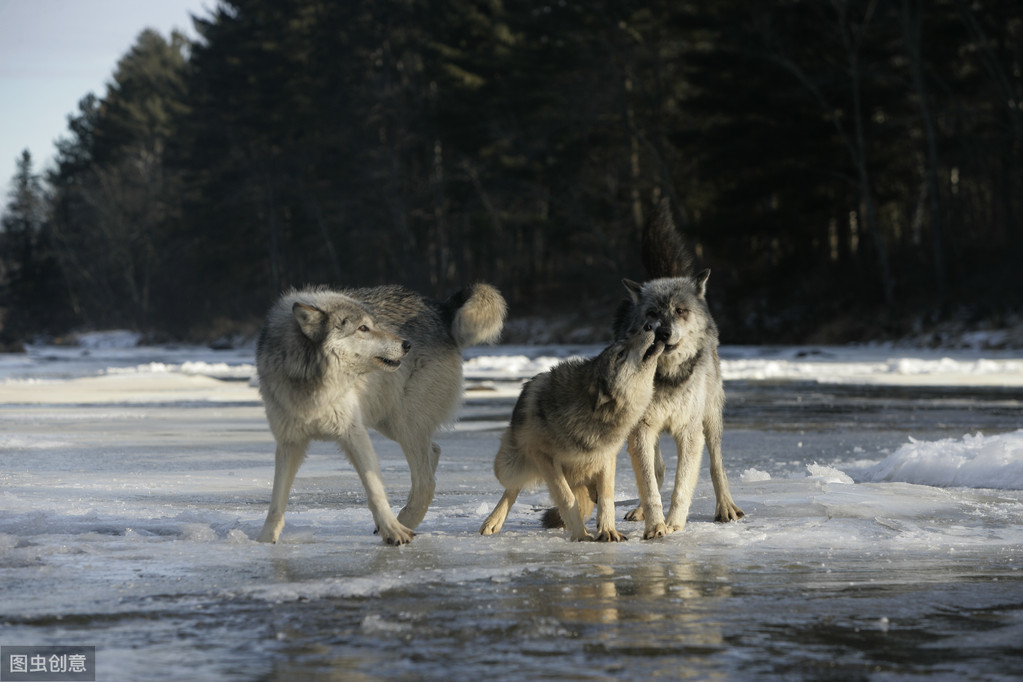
477, 315
552, 518
552, 515
663, 250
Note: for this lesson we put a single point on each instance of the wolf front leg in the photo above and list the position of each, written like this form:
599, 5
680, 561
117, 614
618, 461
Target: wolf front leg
287, 459
690, 452
565, 499
359, 449
605, 484
642, 442
637, 513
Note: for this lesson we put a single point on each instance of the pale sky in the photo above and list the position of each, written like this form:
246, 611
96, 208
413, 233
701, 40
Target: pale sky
54, 52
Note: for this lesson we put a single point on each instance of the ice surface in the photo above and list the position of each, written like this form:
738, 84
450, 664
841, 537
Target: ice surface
133, 482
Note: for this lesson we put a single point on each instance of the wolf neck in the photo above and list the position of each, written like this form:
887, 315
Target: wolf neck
678, 374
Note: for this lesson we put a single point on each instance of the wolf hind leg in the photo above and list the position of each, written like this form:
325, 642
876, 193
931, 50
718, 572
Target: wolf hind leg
287, 460
725, 508
495, 521
637, 513
422, 457
514, 471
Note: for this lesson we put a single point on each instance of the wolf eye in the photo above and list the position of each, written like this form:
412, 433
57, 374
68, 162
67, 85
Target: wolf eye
363, 328
621, 354
681, 312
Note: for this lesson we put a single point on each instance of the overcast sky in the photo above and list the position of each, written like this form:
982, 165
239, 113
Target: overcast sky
54, 52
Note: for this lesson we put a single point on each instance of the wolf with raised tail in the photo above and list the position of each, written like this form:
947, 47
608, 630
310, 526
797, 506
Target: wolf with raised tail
689, 395
333, 364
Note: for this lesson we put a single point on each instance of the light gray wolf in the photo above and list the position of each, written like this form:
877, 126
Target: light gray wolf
333, 364
689, 395
567, 427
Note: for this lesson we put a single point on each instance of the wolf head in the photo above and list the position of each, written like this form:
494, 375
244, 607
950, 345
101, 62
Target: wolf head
342, 328
625, 369
674, 307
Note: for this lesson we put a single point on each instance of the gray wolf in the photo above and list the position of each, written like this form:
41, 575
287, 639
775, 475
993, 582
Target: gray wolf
567, 427
689, 395
333, 364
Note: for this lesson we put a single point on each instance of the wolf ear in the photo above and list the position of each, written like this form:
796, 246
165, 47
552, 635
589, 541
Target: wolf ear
634, 289
311, 320
701, 282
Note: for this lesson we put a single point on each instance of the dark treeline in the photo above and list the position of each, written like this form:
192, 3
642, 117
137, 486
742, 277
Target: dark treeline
847, 168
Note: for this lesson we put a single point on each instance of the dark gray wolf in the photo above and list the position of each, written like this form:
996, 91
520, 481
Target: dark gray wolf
334, 363
689, 395
567, 427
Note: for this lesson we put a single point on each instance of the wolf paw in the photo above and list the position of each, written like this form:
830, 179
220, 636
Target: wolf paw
397, 535
610, 536
669, 529
490, 527
635, 515
728, 512
658, 531
267, 537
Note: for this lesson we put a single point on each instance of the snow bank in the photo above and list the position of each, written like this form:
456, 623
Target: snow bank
972, 462
867, 365
220, 370
515, 366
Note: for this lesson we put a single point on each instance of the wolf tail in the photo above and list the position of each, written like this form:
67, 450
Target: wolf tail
663, 251
476, 314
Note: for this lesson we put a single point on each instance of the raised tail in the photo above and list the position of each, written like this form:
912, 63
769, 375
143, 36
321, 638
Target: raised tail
477, 315
663, 251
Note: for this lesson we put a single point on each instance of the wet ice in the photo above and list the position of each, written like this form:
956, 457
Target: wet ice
133, 482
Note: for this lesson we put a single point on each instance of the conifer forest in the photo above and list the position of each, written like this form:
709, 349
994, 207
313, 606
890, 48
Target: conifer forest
848, 169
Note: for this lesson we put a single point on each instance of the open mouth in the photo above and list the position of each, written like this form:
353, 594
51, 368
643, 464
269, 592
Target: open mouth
668, 349
387, 362
650, 351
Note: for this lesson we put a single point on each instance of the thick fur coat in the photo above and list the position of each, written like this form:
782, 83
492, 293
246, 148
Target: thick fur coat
333, 364
689, 394
567, 428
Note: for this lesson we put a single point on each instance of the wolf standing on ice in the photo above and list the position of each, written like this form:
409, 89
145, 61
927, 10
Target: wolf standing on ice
333, 364
689, 395
567, 428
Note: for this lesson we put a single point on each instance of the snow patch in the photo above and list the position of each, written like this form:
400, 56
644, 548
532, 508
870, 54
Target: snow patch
754, 476
828, 474
971, 462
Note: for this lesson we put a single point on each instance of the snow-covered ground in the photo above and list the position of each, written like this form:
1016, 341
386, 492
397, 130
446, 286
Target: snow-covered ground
883, 539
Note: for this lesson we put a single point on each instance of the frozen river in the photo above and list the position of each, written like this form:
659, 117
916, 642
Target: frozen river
883, 536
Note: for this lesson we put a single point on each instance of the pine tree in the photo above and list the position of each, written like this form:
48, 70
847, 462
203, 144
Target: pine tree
30, 286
